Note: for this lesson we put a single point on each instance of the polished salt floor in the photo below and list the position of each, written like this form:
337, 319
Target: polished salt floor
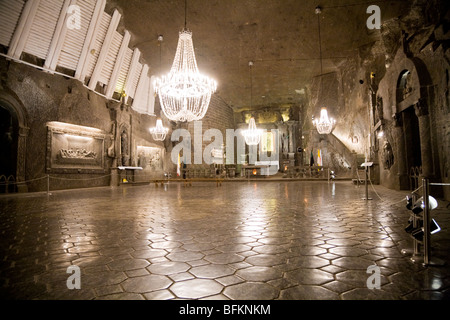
242, 240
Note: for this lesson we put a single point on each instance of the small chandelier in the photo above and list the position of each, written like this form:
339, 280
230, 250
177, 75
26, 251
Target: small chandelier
324, 125
184, 93
252, 135
159, 132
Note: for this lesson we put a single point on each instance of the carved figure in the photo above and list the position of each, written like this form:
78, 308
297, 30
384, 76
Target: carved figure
407, 88
388, 156
124, 147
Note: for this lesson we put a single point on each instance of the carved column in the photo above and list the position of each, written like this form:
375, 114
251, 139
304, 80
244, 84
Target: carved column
400, 156
21, 158
291, 136
421, 108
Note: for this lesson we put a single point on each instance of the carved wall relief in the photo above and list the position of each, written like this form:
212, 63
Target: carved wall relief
74, 149
150, 158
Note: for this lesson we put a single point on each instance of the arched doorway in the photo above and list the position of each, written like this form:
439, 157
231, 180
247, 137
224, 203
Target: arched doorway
413, 149
9, 132
13, 137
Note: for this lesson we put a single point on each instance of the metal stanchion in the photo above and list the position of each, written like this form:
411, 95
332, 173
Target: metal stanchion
48, 185
426, 223
366, 170
427, 260
415, 252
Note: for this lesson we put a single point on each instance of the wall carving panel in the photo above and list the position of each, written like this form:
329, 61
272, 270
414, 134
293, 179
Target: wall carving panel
74, 149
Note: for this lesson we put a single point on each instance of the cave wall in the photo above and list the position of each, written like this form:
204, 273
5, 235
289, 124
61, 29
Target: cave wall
43, 98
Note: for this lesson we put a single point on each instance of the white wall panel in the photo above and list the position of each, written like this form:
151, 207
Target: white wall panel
9, 16
43, 28
75, 38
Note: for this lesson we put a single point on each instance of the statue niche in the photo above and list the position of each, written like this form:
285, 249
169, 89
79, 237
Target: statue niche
405, 85
378, 112
388, 156
124, 147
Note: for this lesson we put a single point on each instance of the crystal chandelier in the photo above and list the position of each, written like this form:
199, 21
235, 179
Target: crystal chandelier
159, 132
252, 135
184, 93
324, 125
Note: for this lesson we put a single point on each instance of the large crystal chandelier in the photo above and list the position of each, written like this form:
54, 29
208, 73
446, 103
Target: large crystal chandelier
324, 125
159, 132
184, 93
252, 135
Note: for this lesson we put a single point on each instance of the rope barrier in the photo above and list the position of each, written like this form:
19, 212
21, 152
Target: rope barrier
83, 179
21, 182
53, 177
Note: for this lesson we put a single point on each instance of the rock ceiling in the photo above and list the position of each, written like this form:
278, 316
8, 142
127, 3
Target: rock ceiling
280, 36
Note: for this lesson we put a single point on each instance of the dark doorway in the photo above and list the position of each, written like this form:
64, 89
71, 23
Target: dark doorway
412, 140
9, 128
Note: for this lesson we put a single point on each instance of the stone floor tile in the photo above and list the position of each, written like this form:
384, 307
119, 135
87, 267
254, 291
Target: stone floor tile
301, 292
196, 288
356, 278
266, 260
122, 296
168, 267
332, 269
216, 297
181, 276
229, 280
159, 295
309, 276
271, 249
148, 253
261, 274
185, 256
136, 273
337, 286
353, 263
306, 262
368, 294
236, 248
146, 283
253, 236
251, 291
224, 258
212, 271
348, 251
128, 264
308, 250
107, 290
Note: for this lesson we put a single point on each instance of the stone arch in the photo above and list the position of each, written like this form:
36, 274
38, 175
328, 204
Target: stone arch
412, 100
14, 106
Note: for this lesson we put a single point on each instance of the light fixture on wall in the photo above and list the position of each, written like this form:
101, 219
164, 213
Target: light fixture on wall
324, 125
159, 132
184, 93
252, 135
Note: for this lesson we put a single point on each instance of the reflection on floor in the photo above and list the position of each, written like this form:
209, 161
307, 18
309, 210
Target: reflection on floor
243, 240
